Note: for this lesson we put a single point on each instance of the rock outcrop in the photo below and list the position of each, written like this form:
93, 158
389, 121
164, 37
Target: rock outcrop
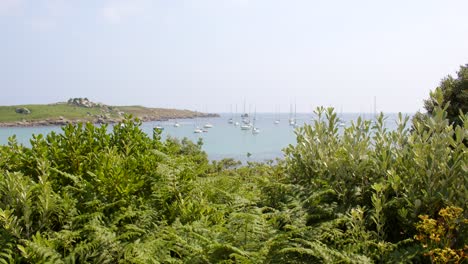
83, 102
23, 110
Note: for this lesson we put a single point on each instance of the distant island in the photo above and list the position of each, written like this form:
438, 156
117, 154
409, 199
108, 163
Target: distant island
77, 110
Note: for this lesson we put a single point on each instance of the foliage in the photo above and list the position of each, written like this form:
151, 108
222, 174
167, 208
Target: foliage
453, 91
95, 194
443, 237
382, 179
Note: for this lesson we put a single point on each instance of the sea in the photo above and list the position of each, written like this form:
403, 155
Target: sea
223, 140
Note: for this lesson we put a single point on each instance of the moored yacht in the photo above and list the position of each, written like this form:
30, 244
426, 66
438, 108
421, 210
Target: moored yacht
277, 115
246, 126
255, 130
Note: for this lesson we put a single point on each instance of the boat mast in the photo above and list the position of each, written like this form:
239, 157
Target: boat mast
375, 106
295, 113
244, 106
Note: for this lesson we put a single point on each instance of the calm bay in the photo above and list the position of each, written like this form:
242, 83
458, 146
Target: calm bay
223, 140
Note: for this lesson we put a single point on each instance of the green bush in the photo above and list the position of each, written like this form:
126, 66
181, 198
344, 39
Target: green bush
91, 194
391, 176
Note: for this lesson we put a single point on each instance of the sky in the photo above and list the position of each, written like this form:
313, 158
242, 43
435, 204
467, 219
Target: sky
211, 55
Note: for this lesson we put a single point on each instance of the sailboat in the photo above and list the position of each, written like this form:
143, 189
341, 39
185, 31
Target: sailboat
375, 109
292, 120
236, 123
231, 119
245, 117
246, 126
245, 121
255, 130
197, 129
176, 124
277, 119
373, 113
208, 124
341, 122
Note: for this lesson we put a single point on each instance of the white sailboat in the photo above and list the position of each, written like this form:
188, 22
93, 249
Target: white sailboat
341, 122
236, 123
255, 130
176, 124
277, 113
245, 117
207, 124
373, 112
375, 109
231, 119
292, 119
245, 127
245, 121
197, 129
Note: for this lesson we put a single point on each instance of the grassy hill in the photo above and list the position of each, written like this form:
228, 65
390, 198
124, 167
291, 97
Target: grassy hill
43, 112
61, 113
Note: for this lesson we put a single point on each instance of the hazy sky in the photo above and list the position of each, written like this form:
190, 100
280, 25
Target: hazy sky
210, 54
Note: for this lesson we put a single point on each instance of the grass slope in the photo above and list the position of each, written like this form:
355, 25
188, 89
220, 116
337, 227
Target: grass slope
42, 112
73, 112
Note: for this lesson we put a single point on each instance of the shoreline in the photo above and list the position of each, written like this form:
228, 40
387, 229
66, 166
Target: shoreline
63, 121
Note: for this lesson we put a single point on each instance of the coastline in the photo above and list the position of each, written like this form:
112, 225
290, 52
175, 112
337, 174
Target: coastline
101, 120
82, 110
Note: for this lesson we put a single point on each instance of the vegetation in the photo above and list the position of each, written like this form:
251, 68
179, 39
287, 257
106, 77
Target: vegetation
42, 112
453, 91
366, 195
92, 112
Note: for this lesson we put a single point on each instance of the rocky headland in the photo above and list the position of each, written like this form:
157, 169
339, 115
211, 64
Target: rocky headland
77, 110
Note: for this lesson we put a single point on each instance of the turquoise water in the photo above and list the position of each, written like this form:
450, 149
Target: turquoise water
224, 140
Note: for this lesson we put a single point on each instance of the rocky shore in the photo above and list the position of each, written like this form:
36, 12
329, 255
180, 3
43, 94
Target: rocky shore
61, 122
99, 120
